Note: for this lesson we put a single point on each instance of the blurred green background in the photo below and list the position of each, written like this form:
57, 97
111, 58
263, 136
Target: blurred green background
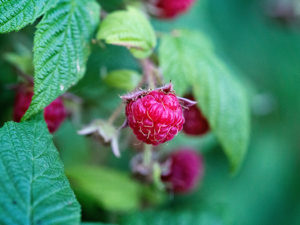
265, 52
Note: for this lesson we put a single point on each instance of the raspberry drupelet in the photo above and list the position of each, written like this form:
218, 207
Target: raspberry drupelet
154, 116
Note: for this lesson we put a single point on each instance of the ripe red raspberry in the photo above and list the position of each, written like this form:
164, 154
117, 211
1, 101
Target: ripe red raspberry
185, 171
154, 116
54, 114
195, 122
168, 9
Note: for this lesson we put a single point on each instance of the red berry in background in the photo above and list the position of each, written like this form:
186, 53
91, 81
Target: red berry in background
195, 122
54, 114
185, 171
154, 116
168, 9
22, 101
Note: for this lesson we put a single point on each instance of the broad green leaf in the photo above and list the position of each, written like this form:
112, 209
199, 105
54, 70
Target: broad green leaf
219, 95
224, 103
110, 189
61, 49
123, 79
33, 187
15, 14
129, 28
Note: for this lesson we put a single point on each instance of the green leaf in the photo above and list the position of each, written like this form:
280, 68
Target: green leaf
110, 189
123, 79
219, 95
174, 217
131, 29
178, 55
33, 186
61, 49
224, 103
15, 14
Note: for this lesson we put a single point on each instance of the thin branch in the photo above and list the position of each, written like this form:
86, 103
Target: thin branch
115, 114
148, 72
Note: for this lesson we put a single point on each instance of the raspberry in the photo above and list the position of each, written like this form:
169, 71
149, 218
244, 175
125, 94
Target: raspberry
168, 9
54, 114
22, 101
154, 116
195, 122
186, 169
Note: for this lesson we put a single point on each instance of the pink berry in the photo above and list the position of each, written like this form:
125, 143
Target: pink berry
195, 122
168, 9
22, 101
154, 116
54, 114
186, 169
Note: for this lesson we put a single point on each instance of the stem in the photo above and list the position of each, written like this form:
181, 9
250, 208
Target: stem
26, 77
103, 14
147, 157
157, 177
72, 97
148, 72
158, 75
115, 114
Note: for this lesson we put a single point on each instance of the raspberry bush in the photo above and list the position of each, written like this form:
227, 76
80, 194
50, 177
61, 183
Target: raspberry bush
138, 112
